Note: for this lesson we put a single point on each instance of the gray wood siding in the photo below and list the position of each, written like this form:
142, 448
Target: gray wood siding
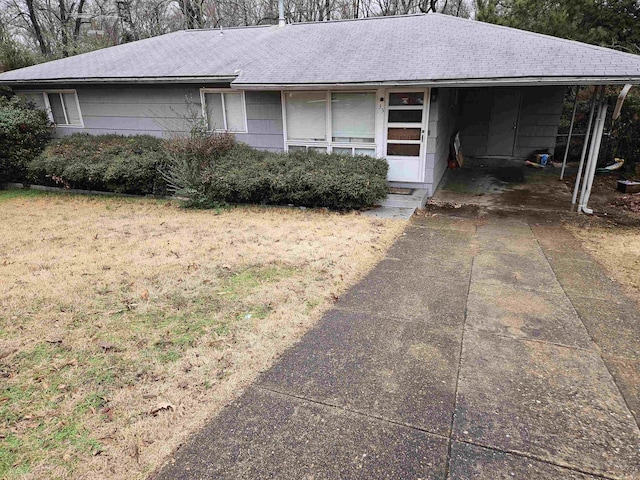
132, 109
165, 110
538, 119
264, 121
442, 124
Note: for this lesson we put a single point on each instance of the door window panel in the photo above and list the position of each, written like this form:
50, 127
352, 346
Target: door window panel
405, 99
405, 133
405, 116
403, 149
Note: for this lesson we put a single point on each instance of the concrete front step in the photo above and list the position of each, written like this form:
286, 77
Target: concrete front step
417, 199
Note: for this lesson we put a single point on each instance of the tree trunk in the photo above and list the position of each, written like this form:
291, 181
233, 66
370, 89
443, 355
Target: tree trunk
44, 48
63, 28
78, 24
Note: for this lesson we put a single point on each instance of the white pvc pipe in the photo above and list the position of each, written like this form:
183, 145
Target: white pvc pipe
573, 119
281, 21
576, 187
589, 161
584, 200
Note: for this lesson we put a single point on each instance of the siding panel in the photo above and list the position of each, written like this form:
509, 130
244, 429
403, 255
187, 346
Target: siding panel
538, 119
165, 110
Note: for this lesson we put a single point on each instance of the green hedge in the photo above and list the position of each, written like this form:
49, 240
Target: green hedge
210, 169
312, 179
112, 163
24, 131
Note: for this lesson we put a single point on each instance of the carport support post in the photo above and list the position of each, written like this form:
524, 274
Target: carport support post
593, 156
573, 118
586, 144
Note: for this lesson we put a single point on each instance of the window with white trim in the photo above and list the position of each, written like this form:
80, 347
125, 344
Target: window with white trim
339, 122
224, 110
62, 106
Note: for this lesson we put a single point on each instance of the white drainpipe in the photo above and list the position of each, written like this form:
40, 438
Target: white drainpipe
593, 157
594, 101
281, 20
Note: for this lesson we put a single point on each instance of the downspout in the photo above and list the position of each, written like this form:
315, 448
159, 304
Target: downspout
593, 157
623, 94
573, 119
587, 134
281, 20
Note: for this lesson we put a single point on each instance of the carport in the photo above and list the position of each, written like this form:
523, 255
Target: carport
500, 128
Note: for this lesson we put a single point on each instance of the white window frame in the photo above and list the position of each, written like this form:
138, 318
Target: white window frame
45, 96
222, 91
328, 144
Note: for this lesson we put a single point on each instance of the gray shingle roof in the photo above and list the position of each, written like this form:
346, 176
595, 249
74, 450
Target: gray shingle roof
418, 48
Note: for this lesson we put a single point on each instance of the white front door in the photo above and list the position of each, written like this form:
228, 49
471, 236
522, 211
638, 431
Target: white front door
405, 138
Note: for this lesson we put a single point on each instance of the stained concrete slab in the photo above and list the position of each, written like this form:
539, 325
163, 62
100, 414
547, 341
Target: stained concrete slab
558, 243
446, 222
527, 246
417, 243
554, 403
584, 279
505, 228
522, 271
404, 371
613, 325
519, 313
626, 373
388, 293
471, 462
390, 213
266, 435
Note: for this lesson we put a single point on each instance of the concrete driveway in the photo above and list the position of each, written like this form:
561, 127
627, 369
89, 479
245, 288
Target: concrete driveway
478, 349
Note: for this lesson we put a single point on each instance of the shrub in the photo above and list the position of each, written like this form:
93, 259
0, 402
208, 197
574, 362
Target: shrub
111, 163
189, 157
312, 179
24, 131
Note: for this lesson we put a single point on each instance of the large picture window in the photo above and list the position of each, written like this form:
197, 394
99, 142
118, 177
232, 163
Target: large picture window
224, 111
339, 122
353, 117
62, 106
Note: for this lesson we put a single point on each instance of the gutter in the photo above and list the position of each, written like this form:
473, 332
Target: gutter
232, 79
471, 82
121, 80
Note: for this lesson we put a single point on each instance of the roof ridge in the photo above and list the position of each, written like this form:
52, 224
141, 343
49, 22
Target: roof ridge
538, 34
310, 22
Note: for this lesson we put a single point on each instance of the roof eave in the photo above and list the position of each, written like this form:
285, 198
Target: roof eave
120, 80
466, 82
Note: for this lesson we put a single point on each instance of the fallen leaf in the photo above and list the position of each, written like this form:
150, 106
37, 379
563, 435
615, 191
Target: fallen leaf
6, 352
161, 407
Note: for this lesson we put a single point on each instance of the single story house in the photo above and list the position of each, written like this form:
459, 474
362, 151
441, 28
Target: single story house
394, 87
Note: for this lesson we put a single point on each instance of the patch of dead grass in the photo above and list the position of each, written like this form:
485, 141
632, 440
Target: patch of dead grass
125, 324
617, 249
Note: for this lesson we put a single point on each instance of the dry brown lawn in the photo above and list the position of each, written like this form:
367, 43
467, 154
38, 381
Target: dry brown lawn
126, 324
617, 248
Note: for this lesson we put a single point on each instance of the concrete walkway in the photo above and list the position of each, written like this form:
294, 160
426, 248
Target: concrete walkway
478, 349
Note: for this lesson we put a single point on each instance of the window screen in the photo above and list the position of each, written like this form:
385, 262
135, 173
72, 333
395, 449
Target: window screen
36, 98
225, 111
353, 117
306, 116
